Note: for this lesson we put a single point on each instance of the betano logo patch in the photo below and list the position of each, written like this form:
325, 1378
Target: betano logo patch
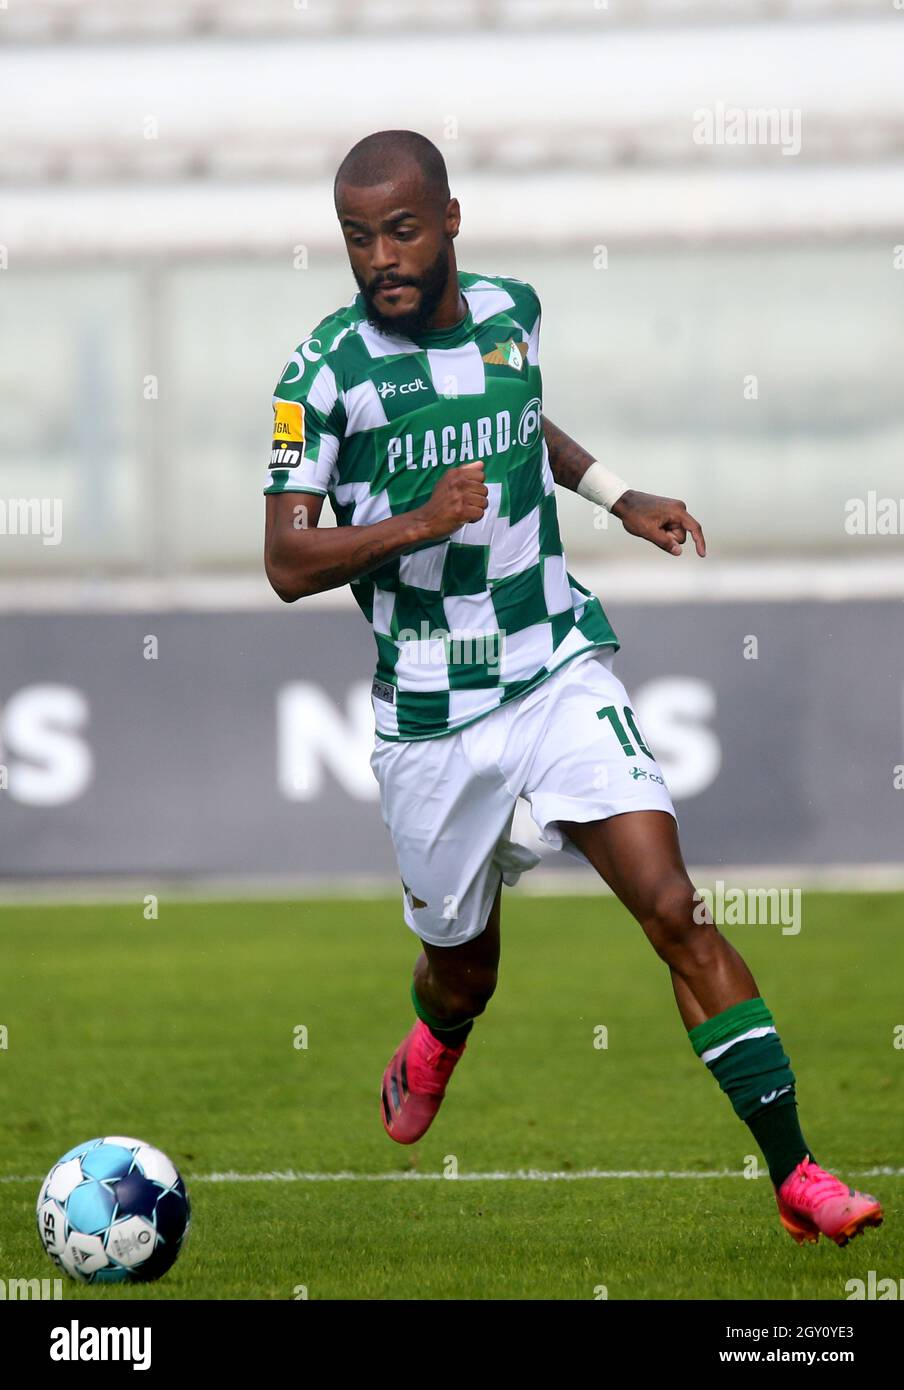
288, 423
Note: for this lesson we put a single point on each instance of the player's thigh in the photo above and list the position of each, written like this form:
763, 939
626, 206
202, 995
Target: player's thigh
638, 854
589, 761
446, 823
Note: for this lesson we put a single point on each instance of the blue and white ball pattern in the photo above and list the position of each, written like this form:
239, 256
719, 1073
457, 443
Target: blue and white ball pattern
112, 1210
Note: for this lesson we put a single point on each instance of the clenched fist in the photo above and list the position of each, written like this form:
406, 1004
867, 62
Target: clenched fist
459, 496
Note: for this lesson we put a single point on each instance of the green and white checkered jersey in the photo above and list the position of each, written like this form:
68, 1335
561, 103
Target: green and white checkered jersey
465, 624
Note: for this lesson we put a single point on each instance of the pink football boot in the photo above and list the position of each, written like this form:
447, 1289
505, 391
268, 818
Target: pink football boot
813, 1202
414, 1083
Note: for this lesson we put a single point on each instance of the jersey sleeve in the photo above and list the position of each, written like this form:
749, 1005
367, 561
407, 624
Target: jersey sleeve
534, 314
308, 425
526, 313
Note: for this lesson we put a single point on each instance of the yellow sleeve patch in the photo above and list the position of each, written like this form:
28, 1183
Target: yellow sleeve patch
288, 422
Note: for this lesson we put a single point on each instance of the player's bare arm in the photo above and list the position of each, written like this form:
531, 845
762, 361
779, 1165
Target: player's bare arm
300, 559
665, 521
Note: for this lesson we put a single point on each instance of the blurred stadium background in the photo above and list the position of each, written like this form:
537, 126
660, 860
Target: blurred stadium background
722, 322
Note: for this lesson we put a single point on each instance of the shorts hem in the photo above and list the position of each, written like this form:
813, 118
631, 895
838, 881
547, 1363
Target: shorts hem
559, 808
461, 940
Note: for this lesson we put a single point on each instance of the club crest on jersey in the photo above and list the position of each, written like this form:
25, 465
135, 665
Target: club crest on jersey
510, 354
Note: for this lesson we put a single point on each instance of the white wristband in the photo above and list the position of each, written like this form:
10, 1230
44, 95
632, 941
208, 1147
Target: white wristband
601, 485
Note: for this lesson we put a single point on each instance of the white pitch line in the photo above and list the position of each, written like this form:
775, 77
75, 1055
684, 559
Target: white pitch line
520, 1175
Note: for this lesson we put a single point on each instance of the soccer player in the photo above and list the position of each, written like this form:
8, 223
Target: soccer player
417, 409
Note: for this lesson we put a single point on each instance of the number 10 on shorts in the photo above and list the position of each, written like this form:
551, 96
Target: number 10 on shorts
611, 713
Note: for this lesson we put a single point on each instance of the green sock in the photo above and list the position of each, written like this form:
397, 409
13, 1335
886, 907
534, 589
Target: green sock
451, 1034
777, 1131
743, 1050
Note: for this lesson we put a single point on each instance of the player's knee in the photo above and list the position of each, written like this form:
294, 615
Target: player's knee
670, 923
469, 996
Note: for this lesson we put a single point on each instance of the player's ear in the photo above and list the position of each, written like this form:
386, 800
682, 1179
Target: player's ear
453, 218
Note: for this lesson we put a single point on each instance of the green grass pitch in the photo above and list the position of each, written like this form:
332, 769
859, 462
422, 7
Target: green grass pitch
182, 1031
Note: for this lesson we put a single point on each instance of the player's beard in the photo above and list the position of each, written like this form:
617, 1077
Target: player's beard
432, 285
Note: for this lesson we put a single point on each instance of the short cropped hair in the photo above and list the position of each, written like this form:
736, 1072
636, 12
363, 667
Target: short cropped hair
388, 153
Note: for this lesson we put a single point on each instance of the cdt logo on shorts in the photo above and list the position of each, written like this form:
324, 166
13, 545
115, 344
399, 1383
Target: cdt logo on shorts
640, 774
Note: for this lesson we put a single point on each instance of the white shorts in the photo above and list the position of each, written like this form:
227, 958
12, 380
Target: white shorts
571, 747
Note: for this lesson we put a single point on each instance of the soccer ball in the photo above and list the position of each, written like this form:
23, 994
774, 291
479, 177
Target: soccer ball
112, 1210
